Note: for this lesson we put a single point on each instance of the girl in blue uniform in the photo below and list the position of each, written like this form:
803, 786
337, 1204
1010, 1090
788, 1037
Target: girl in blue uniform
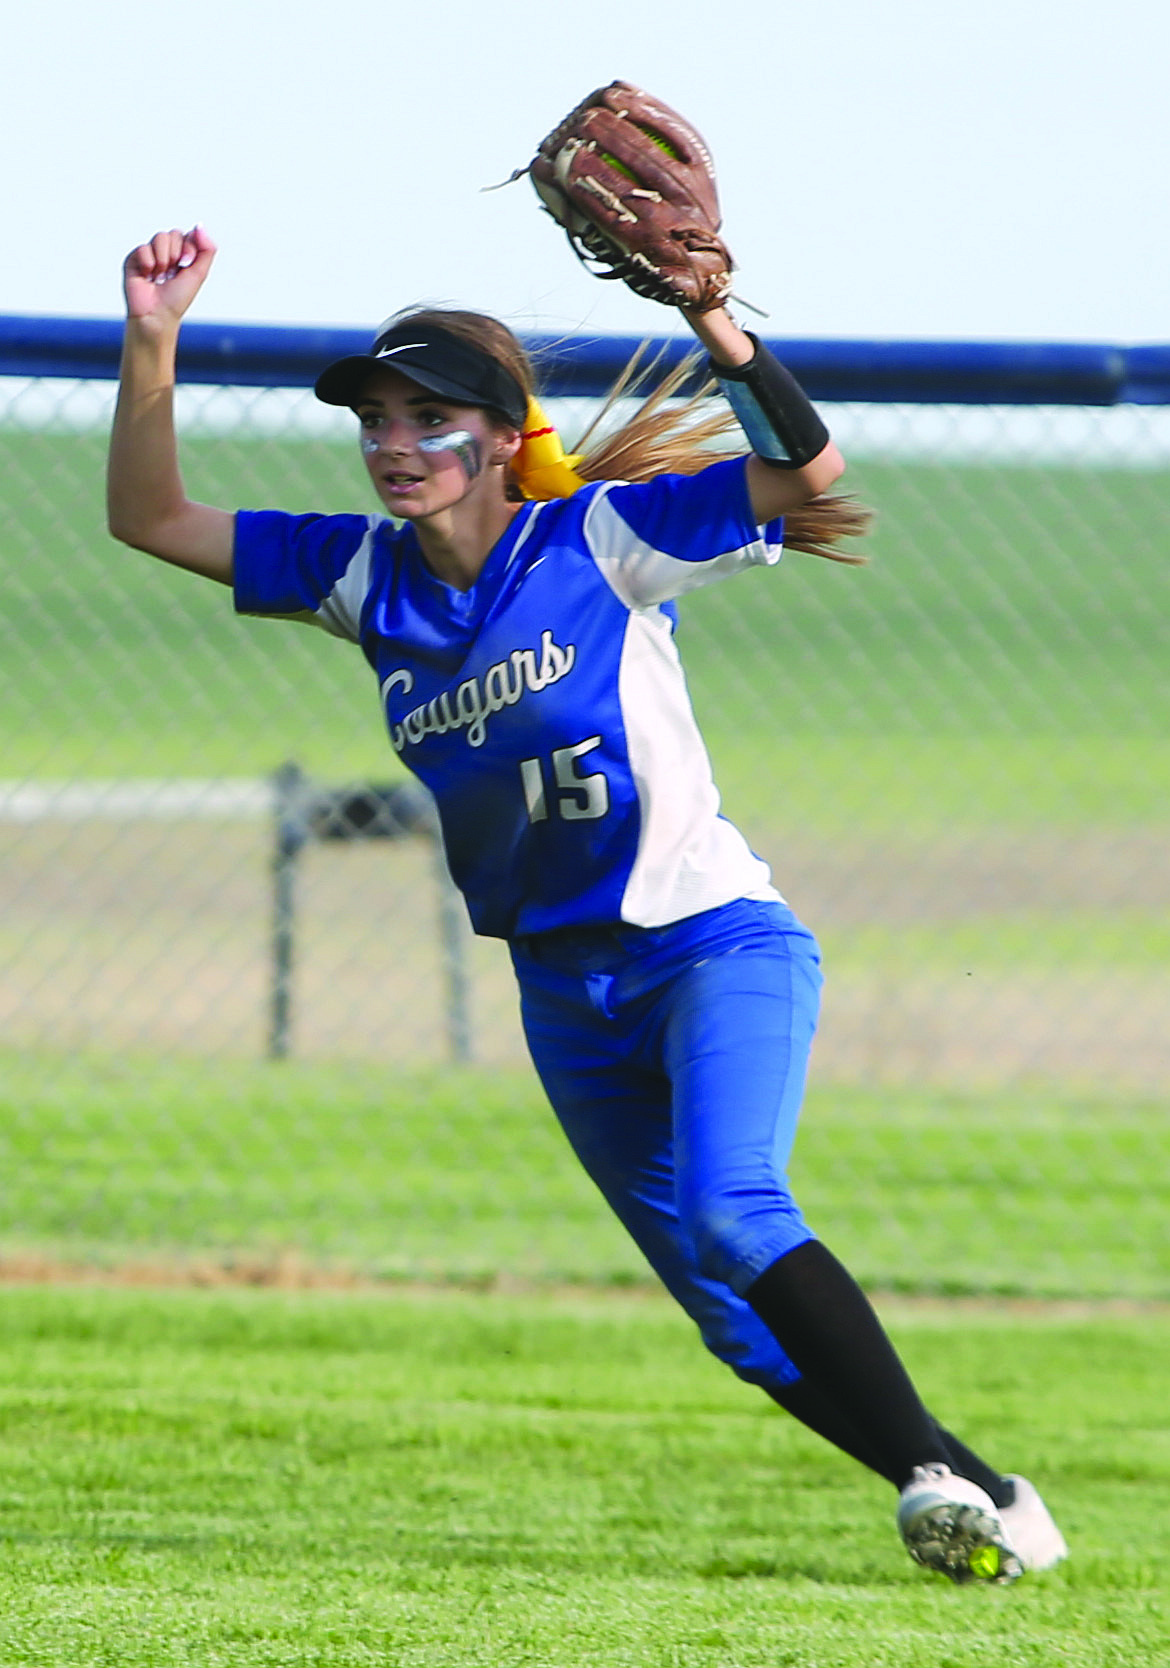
517, 612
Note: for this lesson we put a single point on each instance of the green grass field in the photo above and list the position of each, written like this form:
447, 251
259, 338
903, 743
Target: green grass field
492, 1441
269, 1479
462, 1176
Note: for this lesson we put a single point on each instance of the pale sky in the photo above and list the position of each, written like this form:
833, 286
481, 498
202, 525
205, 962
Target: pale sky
901, 169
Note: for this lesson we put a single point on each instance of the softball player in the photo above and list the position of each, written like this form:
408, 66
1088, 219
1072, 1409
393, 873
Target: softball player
518, 617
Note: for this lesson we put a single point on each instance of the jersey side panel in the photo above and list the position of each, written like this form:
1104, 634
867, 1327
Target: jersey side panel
690, 858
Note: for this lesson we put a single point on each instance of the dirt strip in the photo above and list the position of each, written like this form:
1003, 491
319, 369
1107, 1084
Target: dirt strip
294, 1274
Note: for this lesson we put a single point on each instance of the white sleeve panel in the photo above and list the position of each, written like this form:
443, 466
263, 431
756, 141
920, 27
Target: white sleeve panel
642, 576
341, 611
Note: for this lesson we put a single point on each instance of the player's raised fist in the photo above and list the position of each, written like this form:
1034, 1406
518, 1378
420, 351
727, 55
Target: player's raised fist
162, 278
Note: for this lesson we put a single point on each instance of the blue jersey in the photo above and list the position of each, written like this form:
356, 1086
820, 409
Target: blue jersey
545, 708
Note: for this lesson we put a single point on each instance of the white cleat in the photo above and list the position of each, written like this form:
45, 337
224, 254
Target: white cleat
951, 1525
1030, 1528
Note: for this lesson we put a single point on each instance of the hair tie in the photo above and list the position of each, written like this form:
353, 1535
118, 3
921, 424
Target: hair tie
541, 465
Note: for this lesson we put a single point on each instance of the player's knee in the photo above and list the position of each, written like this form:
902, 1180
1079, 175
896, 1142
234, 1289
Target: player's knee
749, 1349
736, 1239
736, 1335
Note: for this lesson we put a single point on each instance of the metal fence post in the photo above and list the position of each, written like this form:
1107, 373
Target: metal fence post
291, 833
453, 938
304, 811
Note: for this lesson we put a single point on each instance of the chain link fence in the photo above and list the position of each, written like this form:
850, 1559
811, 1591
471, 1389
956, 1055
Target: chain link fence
957, 761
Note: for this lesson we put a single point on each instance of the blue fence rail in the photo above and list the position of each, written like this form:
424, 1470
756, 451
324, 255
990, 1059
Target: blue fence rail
924, 372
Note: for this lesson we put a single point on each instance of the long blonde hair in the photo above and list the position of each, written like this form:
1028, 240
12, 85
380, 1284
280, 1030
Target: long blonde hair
670, 432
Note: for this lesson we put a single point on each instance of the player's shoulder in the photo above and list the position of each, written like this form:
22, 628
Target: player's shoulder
717, 481
559, 521
567, 518
341, 534
671, 511
676, 512
278, 554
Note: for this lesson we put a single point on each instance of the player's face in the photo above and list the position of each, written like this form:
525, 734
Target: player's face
424, 453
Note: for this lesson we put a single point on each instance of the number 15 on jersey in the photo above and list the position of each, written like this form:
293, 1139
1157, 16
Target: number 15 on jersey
554, 787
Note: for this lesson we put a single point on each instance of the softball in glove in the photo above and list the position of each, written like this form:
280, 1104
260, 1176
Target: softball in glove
633, 185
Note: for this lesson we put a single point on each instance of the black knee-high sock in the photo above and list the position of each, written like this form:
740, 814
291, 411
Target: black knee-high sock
826, 1325
808, 1403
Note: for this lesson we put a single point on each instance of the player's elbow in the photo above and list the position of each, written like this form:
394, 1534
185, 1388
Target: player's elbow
776, 491
122, 526
136, 539
196, 537
131, 516
138, 533
824, 471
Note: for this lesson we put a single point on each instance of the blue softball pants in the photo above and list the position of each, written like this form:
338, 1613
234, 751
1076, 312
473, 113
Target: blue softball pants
675, 1060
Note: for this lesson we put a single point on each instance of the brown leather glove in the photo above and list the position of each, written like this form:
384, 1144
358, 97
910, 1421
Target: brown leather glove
633, 185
